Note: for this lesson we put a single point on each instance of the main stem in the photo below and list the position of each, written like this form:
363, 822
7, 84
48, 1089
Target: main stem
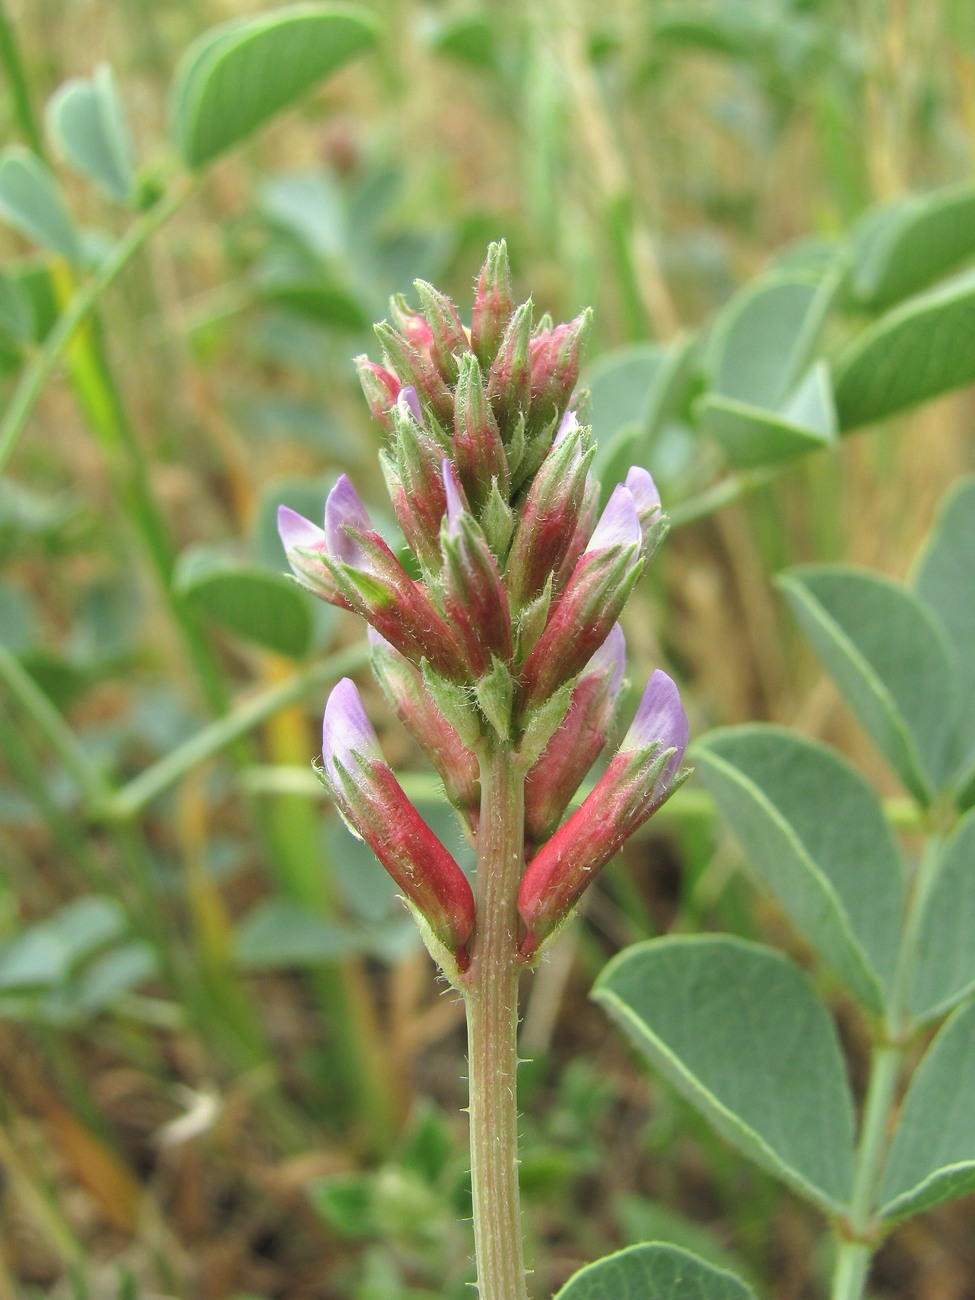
491, 991
853, 1256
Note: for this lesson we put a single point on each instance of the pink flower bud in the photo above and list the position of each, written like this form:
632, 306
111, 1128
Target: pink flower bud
370, 580
509, 384
377, 809
381, 388
642, 775
556, 356
591, 602
493, 304
416, 485
478, 451
448, 341
414, 327
418, 370
416, 709
305, 545
474, 597
579, 741
549, 518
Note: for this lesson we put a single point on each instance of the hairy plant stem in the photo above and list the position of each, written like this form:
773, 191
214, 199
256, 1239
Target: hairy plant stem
855, 1252
491, 991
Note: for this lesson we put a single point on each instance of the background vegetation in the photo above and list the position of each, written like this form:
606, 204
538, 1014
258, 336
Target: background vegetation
225, 1067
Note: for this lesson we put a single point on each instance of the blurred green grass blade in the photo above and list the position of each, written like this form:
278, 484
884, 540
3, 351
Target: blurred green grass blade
738, 1030
30, 202
921, 349
815, 833
932, 1157
945, 970
87, 122
238, 76
890, 660
653, 1272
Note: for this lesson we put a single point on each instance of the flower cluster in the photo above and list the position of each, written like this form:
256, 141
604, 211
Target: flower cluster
501, 626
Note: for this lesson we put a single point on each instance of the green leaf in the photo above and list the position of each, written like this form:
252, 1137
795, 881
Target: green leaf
890, 660
30, 202
118, 971
86, 119
945, 580
932, 1157
16, 312
763, 340
321, 301
752, 437
653, 1272
904, 248
816, 835
621, 388
278, 934
35, 959
946, 954
469, 38
634, 391
86, 925
44, 953
739, 1031
267, 608
917, 351
238, 76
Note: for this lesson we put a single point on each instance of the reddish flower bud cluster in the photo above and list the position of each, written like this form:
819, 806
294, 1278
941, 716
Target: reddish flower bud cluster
510, 633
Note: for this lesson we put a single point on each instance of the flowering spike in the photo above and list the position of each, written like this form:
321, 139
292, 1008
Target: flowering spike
448, 341
381, 388
477, 447
377, 808
641, 776
493, 304
571, 752
507, 653
509, 384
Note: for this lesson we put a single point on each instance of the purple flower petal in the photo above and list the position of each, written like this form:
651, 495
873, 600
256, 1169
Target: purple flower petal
619, 524
346, 731
298, 533
408, 400
660, 720
610, 659
344, 506
455, 500
568, 424
644, 490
